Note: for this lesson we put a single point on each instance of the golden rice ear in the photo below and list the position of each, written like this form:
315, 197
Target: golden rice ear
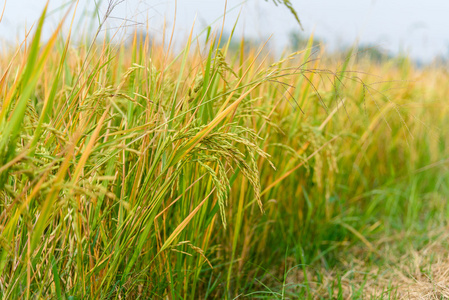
137, 172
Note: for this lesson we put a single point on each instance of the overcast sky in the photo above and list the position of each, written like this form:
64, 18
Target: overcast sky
417, 27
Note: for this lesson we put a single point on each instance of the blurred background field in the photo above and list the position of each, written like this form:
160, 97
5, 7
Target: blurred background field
219, 168
400, 27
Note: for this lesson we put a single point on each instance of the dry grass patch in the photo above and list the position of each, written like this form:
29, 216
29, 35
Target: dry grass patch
416, 274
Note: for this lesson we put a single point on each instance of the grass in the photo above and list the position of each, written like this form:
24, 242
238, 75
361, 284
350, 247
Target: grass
128, 171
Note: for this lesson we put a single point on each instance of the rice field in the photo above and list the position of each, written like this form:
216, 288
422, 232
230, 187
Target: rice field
134, 171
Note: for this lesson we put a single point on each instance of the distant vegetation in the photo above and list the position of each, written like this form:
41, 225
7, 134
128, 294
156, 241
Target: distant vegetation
132, 172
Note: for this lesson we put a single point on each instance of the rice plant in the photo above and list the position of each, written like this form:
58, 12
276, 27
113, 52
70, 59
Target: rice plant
132, 171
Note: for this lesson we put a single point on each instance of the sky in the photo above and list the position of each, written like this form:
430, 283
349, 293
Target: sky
416, 27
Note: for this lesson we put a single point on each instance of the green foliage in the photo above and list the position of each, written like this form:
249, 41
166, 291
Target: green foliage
130, 173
